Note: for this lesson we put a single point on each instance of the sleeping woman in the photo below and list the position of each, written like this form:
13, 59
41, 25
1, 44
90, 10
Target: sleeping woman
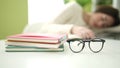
73, 20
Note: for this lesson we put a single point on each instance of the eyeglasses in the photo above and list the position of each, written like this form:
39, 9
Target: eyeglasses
76, 45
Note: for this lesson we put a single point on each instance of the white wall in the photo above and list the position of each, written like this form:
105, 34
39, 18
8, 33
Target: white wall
43, 10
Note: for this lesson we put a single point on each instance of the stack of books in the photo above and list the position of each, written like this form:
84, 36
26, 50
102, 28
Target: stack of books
35, 43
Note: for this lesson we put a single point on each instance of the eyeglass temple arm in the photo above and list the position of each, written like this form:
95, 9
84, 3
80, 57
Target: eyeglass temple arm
97, 40
87, 40
74, 39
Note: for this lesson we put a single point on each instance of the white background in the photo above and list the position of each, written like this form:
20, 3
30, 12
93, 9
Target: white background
40, 11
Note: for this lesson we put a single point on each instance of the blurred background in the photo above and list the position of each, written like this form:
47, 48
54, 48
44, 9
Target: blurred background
87, 4
16, 14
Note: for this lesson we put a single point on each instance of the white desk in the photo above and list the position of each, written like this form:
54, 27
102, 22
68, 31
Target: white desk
109, 57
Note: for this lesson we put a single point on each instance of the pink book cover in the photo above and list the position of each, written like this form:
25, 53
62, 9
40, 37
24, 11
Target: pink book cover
38, 36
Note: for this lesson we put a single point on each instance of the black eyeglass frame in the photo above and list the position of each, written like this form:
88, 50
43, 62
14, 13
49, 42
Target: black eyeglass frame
83, 41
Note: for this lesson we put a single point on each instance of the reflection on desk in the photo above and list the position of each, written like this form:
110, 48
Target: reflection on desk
109, 57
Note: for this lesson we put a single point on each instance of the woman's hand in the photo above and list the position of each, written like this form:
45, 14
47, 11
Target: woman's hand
82, 32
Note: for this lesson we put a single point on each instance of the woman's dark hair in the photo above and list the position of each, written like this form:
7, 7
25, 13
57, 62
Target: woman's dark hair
109, 10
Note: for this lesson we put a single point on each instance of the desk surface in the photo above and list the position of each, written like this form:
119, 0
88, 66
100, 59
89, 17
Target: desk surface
109, 57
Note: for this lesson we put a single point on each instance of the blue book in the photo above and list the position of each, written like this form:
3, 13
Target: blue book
12, 48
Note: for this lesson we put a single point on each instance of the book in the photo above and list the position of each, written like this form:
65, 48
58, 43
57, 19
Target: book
31, 44
44, 38
11, 48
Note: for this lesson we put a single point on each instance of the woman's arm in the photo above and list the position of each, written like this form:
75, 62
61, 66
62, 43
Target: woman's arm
70, 29
56, 28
